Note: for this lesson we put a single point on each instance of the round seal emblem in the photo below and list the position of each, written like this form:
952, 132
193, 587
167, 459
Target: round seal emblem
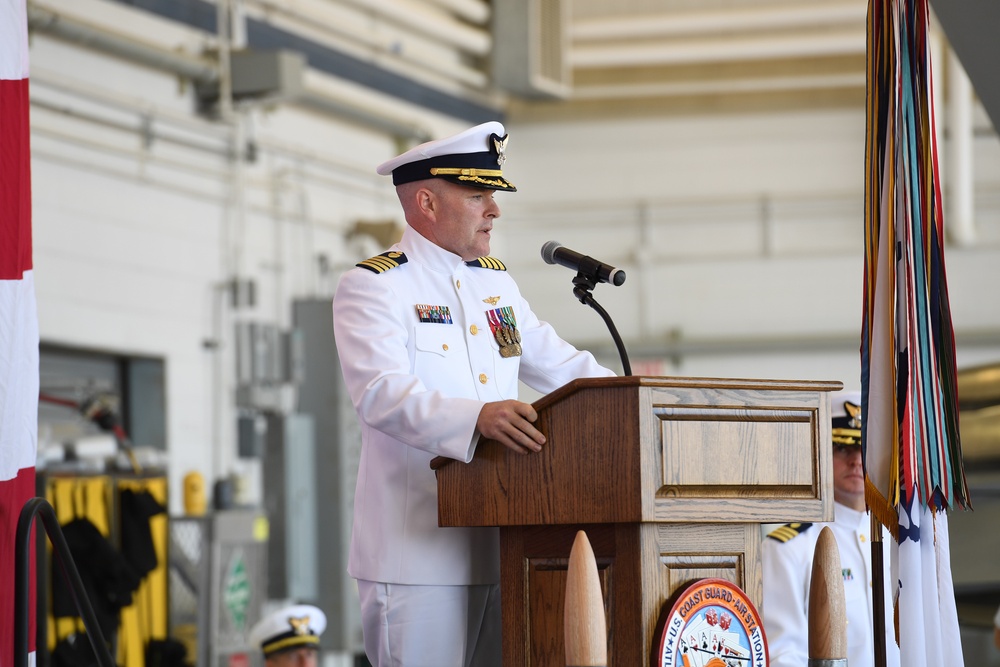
713, 624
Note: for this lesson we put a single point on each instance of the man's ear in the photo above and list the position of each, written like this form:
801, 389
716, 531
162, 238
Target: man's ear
426, 201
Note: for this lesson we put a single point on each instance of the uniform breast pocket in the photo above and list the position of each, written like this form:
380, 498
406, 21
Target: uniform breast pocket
439, 355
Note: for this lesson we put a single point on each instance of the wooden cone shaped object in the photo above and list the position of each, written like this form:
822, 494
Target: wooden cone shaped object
827, 607
583, 620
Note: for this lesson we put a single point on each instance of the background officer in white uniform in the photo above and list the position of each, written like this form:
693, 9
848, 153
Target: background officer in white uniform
996, 629
788, 556
433, 336
289, 637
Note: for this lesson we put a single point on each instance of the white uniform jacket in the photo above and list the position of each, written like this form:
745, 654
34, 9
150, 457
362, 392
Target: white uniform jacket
787, 575
418, 387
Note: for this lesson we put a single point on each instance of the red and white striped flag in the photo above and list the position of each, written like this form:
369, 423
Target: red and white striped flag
18, 317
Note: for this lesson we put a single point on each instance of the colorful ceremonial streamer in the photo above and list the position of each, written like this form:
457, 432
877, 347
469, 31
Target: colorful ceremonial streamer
909, 387
910, 437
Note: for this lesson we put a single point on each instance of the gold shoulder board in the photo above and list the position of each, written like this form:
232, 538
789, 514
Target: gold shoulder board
384, 262
788, 531
487, 263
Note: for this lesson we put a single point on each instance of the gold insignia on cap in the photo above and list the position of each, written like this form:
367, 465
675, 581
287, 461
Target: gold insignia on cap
492, 300
500, 144
497, 183
300, 625
854, 412
847, 430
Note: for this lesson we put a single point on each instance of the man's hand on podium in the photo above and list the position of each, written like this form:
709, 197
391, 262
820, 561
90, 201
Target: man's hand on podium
510, 423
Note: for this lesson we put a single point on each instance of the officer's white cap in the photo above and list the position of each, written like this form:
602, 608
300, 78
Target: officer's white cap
845, 413
288, 628
474, 157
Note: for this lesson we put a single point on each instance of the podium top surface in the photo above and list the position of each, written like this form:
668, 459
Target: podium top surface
687, 382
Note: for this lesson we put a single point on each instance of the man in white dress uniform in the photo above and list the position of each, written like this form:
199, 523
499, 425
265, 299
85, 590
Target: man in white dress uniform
433, 336
788, 557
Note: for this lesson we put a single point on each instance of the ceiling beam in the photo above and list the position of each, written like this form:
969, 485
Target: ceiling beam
833, 43
810, 16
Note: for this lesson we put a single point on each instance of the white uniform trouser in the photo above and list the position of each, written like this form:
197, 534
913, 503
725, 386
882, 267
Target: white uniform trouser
430, 626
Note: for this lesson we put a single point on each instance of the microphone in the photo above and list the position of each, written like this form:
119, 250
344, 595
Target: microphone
554, 252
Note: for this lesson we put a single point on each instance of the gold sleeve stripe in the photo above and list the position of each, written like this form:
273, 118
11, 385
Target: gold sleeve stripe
384, 262
488, 263
783, 534
788, 531
377, 264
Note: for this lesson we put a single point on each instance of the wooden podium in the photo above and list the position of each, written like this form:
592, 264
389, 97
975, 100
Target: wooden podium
669, 477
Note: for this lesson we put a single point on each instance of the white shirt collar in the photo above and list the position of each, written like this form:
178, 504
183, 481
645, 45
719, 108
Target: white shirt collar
852, 517
420, 249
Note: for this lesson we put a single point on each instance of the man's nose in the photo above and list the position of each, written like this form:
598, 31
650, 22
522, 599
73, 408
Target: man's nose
493, 209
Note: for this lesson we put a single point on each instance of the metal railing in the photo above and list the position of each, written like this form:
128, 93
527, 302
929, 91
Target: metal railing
64, 559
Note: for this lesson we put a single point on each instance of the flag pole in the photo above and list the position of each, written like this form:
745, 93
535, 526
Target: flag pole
878, 593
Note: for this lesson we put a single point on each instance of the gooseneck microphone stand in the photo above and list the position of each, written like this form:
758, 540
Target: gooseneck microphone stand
584, 283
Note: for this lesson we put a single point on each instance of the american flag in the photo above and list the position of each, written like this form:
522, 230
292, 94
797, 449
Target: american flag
18, 317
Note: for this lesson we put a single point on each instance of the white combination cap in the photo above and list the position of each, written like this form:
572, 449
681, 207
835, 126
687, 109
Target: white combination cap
474, 157
845, 412
288, 628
